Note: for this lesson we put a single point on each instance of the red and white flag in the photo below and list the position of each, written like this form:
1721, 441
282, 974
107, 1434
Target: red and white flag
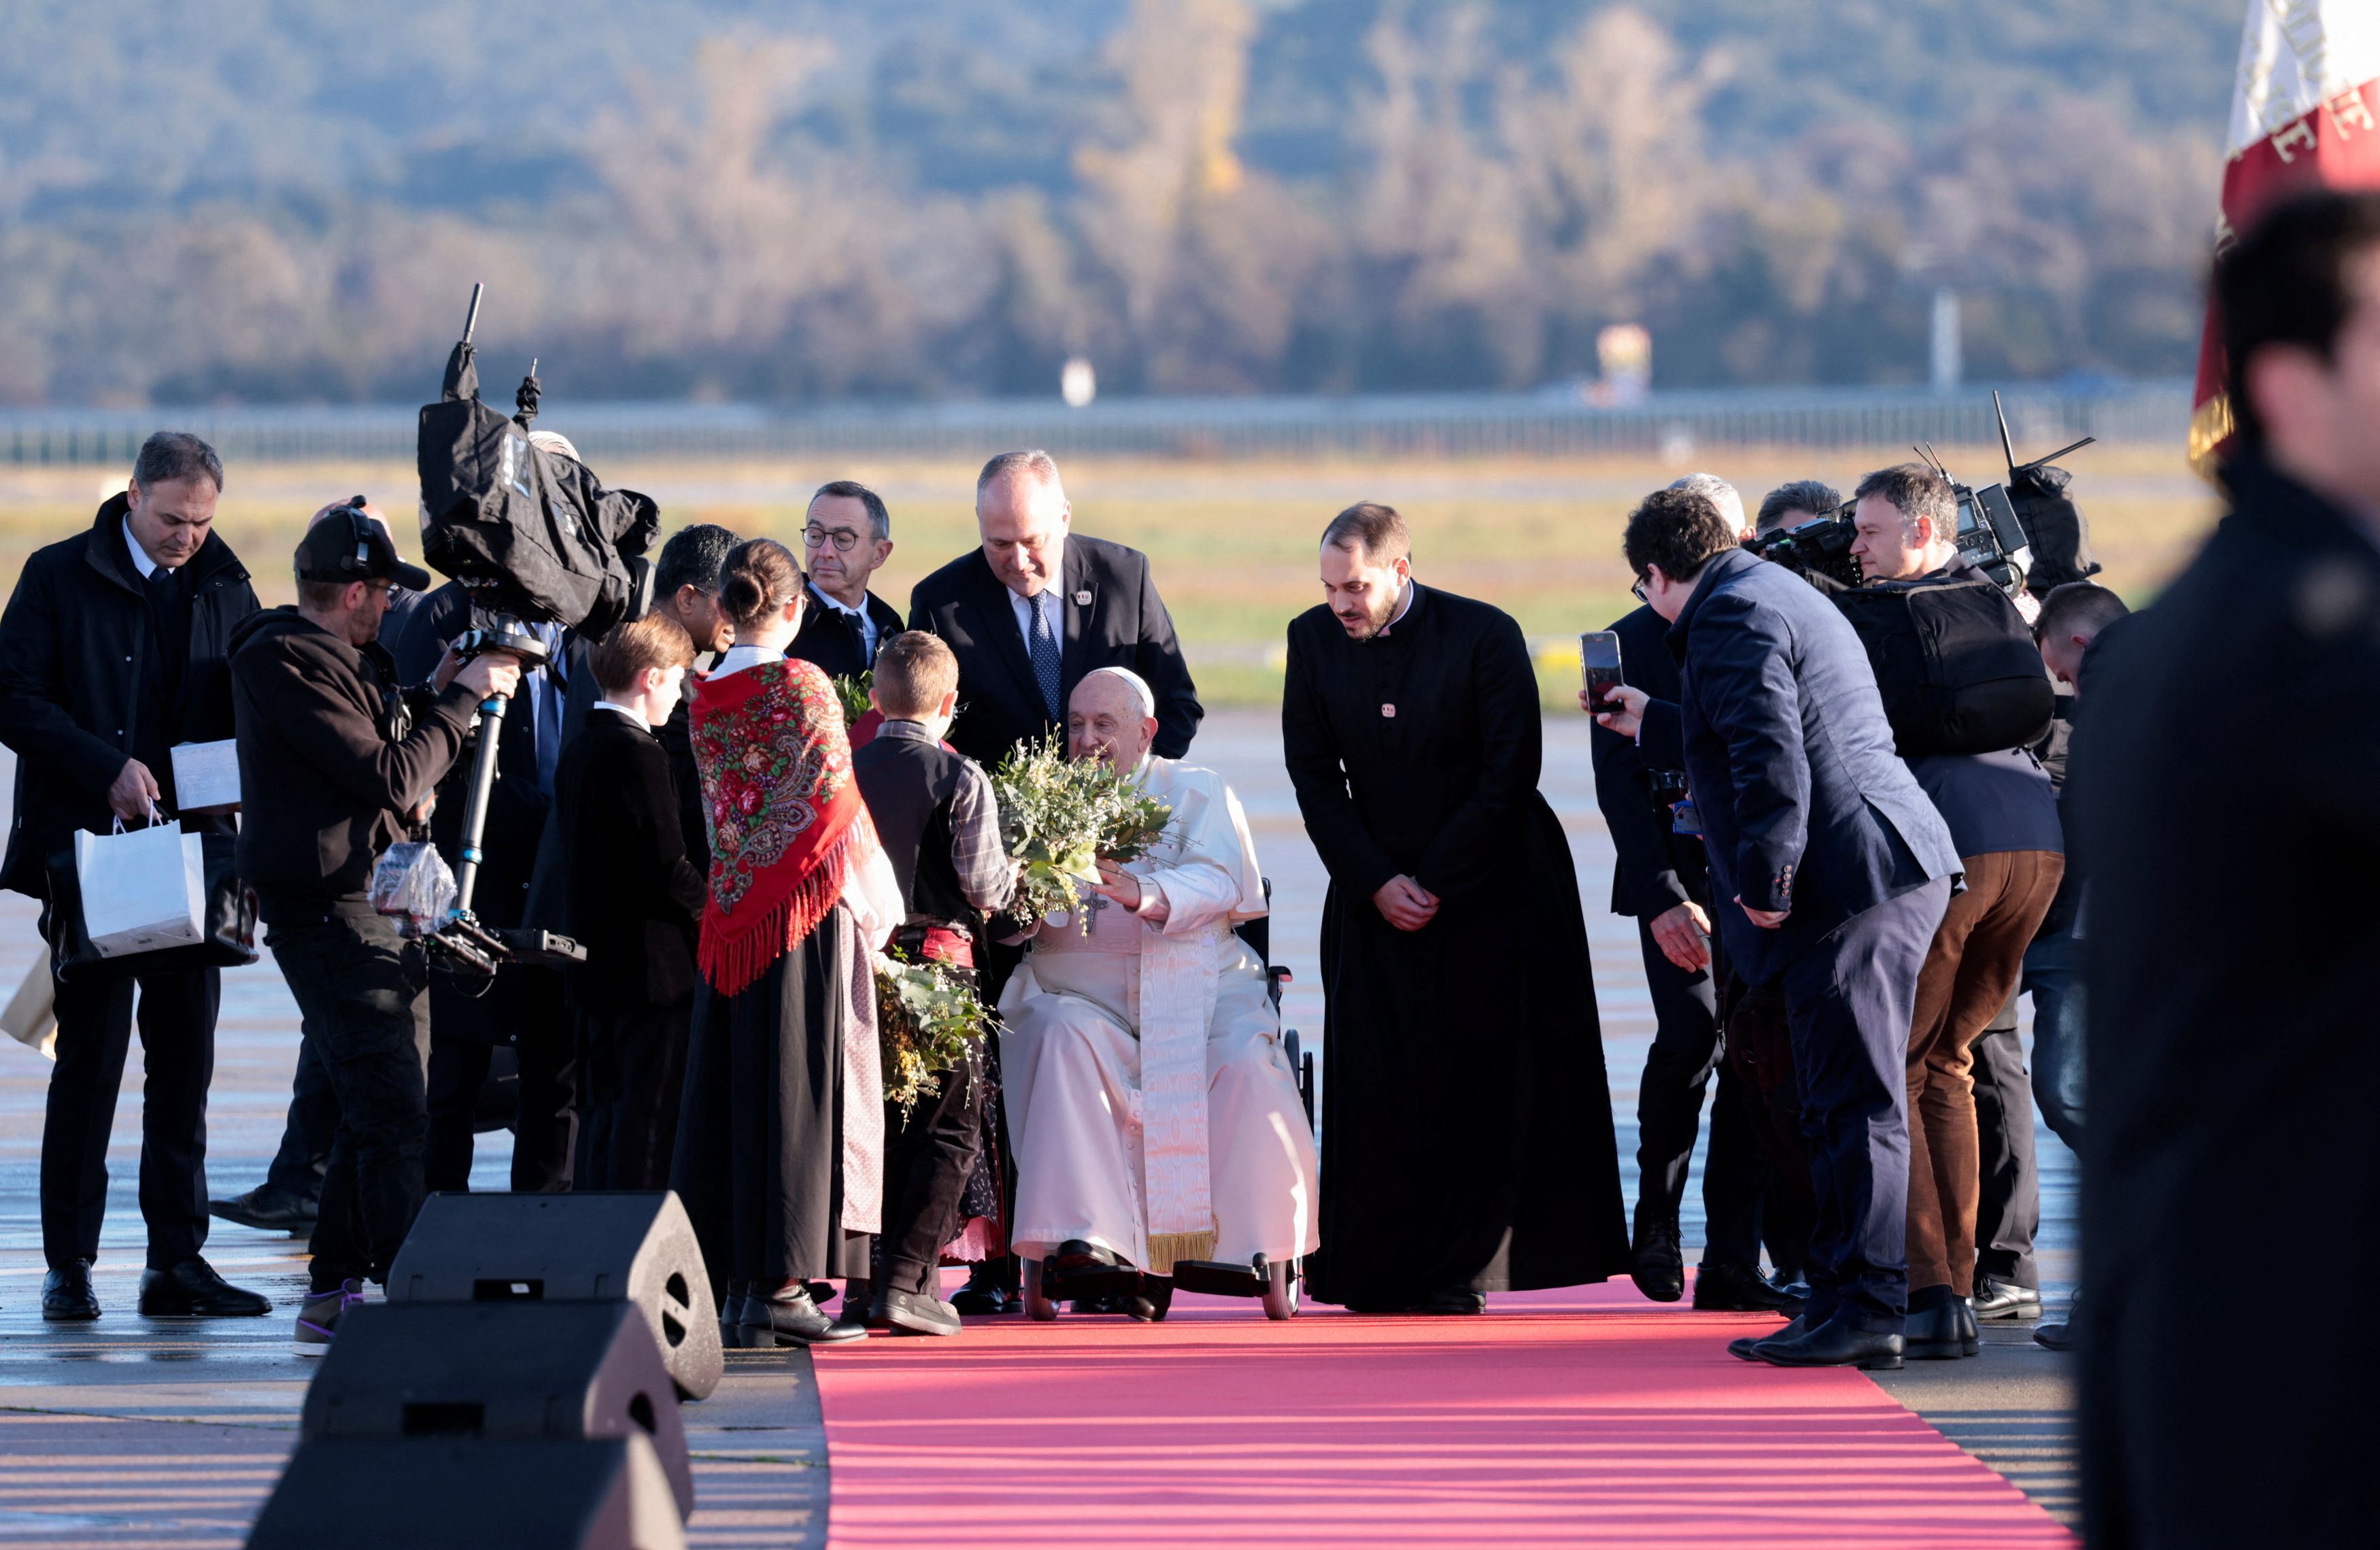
2306, 114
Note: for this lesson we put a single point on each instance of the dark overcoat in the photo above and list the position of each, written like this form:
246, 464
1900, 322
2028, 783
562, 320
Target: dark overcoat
2222, 776
76, 649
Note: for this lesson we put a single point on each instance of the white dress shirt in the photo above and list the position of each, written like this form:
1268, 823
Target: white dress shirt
625, 713
1022, 606
140, 560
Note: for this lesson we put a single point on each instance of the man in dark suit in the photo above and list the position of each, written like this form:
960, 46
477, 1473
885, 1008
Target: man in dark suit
1037, 607
2222, 783
634, 903
1659, 877
1829, 870
115, 647
846, 538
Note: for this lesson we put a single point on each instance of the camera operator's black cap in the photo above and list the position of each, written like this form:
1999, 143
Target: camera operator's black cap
346, 545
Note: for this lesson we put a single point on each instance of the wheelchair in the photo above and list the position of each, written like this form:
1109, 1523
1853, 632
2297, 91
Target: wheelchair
1280, 1286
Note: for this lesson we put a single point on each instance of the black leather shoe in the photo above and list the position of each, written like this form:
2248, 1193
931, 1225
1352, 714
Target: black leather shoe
66, 1297
1455, 1301
1724, 1287
1943, 1332
1835, 1343
986, 1291
1995, 1299
917, 1313
1153, 1301
268, 1210
193, 1290
1741, 1346
1658, 1266
1082, 1271
2056, 1336
789, 1318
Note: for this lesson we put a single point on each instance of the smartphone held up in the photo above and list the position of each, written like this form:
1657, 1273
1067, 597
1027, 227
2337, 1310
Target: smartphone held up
1599, 656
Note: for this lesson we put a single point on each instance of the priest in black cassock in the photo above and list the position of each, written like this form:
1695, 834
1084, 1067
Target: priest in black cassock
1466, 1134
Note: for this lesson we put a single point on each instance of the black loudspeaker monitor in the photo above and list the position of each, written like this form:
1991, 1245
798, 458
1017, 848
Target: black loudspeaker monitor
573, 1248
422, 1493
498, 1370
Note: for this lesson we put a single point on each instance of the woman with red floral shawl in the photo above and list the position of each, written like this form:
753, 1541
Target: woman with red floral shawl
780, 1135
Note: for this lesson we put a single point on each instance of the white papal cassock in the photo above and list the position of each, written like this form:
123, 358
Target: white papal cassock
1151, 1106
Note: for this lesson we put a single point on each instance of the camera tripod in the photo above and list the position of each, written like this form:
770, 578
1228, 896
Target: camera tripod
463, 946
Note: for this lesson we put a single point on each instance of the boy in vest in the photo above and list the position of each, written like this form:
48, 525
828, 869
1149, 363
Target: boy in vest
936, 815
634, 900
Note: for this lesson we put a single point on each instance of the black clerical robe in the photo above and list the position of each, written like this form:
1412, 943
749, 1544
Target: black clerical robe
1466, 1131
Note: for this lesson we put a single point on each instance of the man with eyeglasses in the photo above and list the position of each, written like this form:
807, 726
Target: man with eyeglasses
846, 539
1659, 876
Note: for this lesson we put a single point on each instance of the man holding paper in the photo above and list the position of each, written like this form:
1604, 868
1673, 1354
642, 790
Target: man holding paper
115, 649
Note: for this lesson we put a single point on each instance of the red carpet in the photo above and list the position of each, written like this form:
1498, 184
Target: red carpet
1569, 1418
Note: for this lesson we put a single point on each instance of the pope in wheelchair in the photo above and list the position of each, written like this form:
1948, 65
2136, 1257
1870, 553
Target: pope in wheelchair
1157, 1132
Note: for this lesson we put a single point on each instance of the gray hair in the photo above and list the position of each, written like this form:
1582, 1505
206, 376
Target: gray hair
1717, 491
171, 455
1144, 695
1811, 496
1035, 465
880, 520
554, 441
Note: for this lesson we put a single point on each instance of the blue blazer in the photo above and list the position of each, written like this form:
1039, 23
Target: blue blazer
1805, 805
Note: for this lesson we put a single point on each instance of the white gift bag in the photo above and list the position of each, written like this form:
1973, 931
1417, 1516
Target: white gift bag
142, 889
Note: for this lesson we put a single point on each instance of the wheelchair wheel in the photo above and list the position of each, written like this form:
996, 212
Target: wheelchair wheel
1038, 1305
1280, 1298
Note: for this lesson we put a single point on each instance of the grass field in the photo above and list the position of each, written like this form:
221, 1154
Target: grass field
1233, 544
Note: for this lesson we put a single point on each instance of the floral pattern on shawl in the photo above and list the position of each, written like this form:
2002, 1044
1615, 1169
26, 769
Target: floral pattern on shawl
779, 802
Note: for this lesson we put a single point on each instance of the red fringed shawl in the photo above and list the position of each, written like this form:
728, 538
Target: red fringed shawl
785, 814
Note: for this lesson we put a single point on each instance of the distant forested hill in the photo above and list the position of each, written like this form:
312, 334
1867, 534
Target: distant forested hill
288, 199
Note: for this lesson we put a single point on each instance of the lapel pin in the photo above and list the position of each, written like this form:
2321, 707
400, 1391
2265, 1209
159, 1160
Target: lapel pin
1082, 600
1388, 710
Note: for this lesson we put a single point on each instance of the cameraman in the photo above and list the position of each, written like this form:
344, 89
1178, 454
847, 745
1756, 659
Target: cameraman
335, 776
2003, 819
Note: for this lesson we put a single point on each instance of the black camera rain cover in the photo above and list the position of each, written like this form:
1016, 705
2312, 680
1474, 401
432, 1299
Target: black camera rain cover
537, 531
2054, 528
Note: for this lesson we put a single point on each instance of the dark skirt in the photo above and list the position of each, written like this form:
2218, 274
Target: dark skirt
760, 1139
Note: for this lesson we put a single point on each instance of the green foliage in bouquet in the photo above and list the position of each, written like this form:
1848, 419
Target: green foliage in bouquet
1062, 816
926, 1021
852, 690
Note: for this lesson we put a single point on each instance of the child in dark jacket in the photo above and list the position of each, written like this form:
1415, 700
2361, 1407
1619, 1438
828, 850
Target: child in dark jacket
935, 813
633, 902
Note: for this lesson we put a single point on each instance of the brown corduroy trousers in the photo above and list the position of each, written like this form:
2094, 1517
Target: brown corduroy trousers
1976, 960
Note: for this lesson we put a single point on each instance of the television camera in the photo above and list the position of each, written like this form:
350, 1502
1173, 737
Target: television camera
534, 538
1992, 534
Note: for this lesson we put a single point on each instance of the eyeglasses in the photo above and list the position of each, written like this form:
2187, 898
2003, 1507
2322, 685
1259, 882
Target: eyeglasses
1639, 590
816, 537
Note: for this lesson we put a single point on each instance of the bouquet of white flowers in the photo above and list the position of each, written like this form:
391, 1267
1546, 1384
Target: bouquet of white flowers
926, 1021
1063, 816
